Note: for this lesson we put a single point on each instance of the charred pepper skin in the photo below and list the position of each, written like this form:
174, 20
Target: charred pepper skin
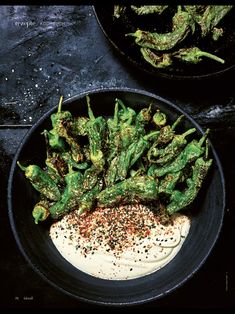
52, 169
67, 158
56, 167
168, 131
41, 181
131, 190
79, 126
191, 55
90, 178
87, 201
126, 133
142, 119
168, 183
196, 11
159, 61
149, 9
59, 115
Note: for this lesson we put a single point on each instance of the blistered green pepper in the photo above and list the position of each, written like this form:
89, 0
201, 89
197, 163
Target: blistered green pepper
69, 198
61, 122
41, 211
122, 163
182, 199
127, 129
60, 115
167, 132
96, 128
125, 114
195, 55
68, 159
132, 190
87, 201
41, 181
143, 117
159, 119
56, 166
135, 152
55, 141
168, 183
190, 153
162, 156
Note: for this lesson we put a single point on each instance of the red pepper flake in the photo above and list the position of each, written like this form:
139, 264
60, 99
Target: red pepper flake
115, 228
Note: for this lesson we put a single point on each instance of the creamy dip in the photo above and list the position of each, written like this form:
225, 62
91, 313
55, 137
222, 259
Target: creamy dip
119, 243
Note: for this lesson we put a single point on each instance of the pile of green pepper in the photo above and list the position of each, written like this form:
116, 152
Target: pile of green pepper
161, 50
132, 157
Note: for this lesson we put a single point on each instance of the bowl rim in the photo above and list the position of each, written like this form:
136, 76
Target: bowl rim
11, 179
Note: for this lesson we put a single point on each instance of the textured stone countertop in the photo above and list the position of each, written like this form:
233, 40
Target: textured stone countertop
48, 51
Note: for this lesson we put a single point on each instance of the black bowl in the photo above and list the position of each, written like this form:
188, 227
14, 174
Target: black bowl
34, 241
115, 30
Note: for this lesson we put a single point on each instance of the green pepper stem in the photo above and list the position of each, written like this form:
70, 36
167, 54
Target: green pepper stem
115, 118
202, 140
21, 167
70, 168
179, 8
207, 149
149, 108
131, 34
174, 125
150, 135
90, 112
121, 104
210, 55
60, 104
37, 217
190, 131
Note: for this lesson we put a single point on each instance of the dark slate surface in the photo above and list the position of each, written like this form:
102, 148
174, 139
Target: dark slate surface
48, 51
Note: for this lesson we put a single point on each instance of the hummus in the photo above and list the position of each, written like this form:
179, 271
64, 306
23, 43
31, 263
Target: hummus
119, 243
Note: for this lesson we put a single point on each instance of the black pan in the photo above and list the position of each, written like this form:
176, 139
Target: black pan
37, 247
115, 30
